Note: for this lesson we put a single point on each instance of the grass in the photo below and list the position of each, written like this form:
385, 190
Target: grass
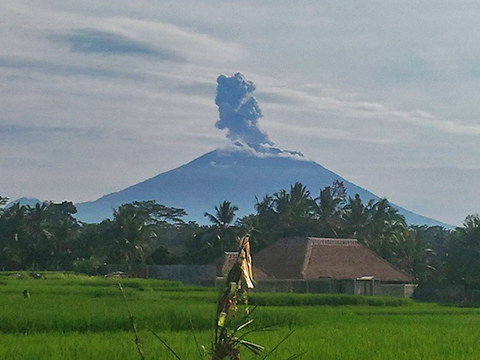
77, 317
278, 299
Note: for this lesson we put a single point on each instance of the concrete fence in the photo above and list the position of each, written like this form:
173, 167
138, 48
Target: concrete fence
335, 286
188, 274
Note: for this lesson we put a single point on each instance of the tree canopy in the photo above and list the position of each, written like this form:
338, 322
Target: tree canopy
48, 237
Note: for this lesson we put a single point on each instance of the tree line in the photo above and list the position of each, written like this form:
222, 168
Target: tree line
47, 236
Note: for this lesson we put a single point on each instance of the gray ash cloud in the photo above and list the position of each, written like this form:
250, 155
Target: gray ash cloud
239, 110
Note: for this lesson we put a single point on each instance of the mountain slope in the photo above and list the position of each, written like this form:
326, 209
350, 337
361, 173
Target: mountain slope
234, 175
25, 201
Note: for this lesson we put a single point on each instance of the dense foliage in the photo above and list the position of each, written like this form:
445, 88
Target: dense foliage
48, 237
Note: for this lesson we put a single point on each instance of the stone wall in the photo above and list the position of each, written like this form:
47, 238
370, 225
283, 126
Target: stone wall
187, 274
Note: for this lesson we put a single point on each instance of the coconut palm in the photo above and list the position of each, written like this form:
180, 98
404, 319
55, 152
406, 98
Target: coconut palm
134, 236
355, 216
386, 230
13, 237
224, 214
223, 233
464, 253
328, 210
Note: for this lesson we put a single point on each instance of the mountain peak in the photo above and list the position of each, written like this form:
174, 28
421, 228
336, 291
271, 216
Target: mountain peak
236, 174
250, 167
25, 201
258, 150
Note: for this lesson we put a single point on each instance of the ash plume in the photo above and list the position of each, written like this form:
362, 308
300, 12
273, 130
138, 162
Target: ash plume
239, 110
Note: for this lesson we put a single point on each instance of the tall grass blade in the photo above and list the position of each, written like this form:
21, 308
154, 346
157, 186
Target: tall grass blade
276, 347
194, 336
166, 345
243, 326
255, 348
296, 356
133, 324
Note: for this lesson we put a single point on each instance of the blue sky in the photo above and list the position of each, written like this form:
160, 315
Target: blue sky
99, 95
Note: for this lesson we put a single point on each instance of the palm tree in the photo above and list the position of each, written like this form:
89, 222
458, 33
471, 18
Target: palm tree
13, 237
286, 213
386, 230
355, 215
328, 209
63, 229
222, 222
464, 254
38, 250
134, 234
224, 214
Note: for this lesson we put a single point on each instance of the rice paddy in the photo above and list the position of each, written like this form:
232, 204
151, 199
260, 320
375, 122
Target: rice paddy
78, 317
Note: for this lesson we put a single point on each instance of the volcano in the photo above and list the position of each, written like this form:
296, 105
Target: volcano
249, 168
234, 174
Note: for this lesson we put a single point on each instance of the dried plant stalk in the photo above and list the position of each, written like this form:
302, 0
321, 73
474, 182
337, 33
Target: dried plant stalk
239, 279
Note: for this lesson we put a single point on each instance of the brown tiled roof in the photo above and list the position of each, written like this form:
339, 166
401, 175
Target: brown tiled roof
283, 259
260, 274
313, 258
225, 262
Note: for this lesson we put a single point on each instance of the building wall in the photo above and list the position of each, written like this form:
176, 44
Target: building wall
187, 274
401, 290
332, 286
296, 286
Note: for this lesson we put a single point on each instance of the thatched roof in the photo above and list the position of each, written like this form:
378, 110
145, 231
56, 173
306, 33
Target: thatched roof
313, 258
225, 263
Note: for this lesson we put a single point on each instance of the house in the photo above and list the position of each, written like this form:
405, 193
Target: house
325, 265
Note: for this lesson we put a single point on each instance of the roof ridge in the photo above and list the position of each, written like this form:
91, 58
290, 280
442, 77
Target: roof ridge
308, 255
334, 241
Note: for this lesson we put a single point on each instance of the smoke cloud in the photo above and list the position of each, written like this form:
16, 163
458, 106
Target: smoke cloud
239, 110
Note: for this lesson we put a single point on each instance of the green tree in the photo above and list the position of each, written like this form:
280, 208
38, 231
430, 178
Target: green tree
328, 210
295, 210
63, 230
224, 214
133, 232
39, 237
433, 250
13, 237
463, 262
285, 213
3, 202
224, 232
386, 233
355, 216
296, 213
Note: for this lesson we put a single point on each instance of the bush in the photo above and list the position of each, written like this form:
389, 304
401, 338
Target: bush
88, 266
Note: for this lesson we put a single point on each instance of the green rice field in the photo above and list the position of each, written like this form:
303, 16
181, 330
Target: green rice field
78, 317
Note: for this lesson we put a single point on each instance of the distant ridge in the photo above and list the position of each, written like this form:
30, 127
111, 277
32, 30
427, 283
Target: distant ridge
237, 174
25, 201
